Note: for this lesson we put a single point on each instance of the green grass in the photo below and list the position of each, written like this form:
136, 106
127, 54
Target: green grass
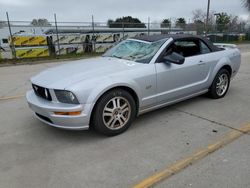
241, 42
48, 59
234, 42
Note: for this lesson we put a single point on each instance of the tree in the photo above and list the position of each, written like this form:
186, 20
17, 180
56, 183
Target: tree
126, 22
199, 15
40, 22
110, 22
222, 21
200, 26
247, 4
166, 23
181, 22
234, 24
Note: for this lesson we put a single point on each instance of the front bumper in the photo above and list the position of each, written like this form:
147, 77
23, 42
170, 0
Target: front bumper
44, 111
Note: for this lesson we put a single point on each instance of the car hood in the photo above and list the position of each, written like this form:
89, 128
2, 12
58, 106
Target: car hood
70, 73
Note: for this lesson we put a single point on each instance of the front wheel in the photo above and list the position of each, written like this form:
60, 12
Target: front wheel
220, 84
114, 112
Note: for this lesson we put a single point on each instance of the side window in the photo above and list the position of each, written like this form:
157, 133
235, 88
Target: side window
187, 48
204, 48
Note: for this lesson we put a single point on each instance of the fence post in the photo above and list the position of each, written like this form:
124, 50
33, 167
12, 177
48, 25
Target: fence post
12, 46
93, 32
57, 37
216, 26
122, 30
148, 25
170, 27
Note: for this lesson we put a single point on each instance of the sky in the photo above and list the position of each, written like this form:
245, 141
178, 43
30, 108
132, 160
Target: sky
81, 10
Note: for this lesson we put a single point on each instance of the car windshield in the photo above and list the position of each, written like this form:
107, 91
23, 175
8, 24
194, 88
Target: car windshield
135, 50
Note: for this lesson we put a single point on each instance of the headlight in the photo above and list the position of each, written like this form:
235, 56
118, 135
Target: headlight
66, 97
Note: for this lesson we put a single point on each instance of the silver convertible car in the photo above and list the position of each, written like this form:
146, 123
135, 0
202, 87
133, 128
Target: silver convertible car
136, 76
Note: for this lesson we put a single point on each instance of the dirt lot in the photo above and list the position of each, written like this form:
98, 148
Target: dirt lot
35, 155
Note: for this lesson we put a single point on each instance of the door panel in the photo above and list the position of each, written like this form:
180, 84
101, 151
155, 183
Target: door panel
176, 81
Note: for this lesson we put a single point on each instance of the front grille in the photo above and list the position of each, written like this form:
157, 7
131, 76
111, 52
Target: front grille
42, 92
44, 118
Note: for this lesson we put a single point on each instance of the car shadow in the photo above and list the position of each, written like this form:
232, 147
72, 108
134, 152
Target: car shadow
91, 135
166, 110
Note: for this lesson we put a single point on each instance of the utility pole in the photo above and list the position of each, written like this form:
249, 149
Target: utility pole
208, 10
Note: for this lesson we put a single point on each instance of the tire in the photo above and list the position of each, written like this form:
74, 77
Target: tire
220, 84
114, 112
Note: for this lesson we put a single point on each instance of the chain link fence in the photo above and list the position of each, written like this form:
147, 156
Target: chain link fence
21, 39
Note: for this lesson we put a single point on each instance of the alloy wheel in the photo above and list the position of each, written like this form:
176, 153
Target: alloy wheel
116, 113
222, 84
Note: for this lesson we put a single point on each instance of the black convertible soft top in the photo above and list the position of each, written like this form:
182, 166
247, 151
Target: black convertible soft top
154, 38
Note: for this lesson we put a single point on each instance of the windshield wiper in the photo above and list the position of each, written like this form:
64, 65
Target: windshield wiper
116, 56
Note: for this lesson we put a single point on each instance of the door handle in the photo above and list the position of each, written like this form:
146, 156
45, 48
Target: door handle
201, 62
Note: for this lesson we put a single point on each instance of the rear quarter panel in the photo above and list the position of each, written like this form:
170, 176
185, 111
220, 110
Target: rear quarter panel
229, 56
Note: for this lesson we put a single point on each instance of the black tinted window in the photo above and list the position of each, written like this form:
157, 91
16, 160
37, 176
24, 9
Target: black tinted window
187, 48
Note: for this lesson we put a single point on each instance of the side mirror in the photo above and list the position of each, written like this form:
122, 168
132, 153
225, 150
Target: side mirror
174, 58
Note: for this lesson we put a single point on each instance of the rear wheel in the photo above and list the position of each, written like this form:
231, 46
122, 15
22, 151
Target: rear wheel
220, 84
114, 112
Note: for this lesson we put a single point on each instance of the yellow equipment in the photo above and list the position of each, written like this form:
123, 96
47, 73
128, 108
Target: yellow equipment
32, 52
29, 40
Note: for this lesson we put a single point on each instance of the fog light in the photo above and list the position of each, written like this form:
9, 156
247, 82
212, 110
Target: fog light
76, 113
